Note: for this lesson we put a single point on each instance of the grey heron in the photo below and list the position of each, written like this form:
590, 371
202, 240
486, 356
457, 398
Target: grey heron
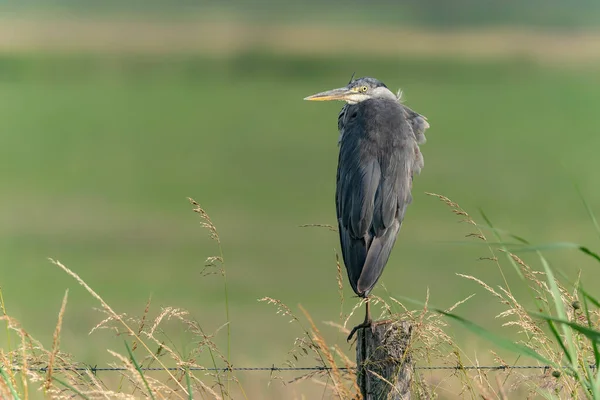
379, 156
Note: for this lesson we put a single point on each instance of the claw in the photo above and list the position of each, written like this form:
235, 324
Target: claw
365, 324
368, 322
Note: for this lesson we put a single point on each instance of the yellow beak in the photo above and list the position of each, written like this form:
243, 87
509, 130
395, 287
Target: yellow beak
335, 94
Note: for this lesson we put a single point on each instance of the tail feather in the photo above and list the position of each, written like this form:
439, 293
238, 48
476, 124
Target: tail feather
377, 256
354, 252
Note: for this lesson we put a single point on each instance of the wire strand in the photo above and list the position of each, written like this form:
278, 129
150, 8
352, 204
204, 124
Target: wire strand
95, 369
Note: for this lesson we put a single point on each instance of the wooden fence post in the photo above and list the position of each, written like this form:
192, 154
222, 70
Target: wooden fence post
385, 369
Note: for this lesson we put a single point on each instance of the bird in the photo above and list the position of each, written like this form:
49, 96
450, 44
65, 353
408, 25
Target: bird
379, 156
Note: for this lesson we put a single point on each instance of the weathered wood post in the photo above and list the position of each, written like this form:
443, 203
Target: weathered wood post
385, 369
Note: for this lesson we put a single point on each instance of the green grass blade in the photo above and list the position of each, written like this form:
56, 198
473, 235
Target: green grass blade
214, 364
545, 394
586, 309
5, 314
580, 288
499, 238
559, 340
590, 333
486, 219
188, 382
589, 210
488, 335
591, 383
594, 337
501, 232
590, 253
9, 383
558, 246
137, 367
520, 248
547, 247
569, 346
498, 231
70, 387
498, 340
519, 238
481, 243
558, 303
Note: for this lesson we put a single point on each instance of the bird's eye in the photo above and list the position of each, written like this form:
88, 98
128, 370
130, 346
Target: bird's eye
363, 89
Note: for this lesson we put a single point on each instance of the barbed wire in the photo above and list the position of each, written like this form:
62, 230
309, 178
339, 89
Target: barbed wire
96, 369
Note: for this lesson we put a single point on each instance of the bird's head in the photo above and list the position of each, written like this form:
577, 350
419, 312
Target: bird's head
358, 90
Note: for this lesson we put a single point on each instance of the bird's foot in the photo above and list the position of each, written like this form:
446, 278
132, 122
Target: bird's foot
367, 324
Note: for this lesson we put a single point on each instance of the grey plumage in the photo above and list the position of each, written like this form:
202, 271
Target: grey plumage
375, 169
379, 156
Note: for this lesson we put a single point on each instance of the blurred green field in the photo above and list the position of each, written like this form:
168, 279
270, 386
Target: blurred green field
98, 155
436, 13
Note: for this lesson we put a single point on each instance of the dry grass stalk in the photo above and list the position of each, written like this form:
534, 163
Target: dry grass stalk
356, 307
485, 286
327, 226
25, 365
340, 387
340, 282
56, 340
318, 339
142, 323
282, 309
206, 221
4, 385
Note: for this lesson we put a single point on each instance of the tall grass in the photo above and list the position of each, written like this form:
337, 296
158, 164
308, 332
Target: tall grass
561, 336
217, 262
58, 376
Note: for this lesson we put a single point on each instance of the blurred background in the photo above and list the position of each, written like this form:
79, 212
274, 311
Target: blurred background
112, 113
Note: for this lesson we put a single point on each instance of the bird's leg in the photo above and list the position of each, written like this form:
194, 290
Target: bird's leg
368, 322
368, 319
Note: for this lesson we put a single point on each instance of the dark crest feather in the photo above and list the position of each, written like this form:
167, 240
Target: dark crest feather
351, 78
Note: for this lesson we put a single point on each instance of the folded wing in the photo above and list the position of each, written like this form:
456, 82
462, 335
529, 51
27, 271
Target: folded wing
373, 191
